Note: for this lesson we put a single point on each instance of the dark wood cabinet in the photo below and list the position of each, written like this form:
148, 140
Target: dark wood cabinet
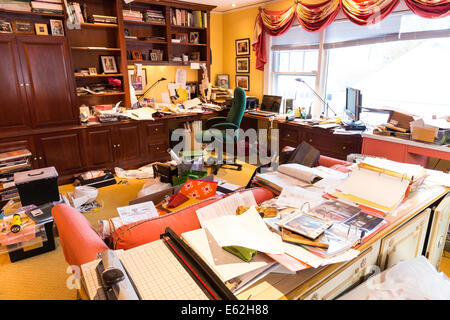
14, 105
48, 80
99, 147
128, 145
61, 150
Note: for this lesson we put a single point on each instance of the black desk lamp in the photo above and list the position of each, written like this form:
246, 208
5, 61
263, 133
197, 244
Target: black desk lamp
152, 86
317, 95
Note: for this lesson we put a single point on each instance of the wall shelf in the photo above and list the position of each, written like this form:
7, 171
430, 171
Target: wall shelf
96, 49
99, 25
30, 13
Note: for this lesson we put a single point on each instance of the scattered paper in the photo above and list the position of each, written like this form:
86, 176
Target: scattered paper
296, 197
138, 212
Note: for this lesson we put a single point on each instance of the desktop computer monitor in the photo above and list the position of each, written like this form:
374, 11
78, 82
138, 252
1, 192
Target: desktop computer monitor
353, 103
271, 103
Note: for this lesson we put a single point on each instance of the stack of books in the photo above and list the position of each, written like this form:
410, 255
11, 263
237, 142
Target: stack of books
95, 18
196, 18
15, 5
154, 16
47, 6
130, 15
220, 95
10, 163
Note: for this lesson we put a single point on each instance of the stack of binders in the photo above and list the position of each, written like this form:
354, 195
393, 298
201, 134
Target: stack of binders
10, 163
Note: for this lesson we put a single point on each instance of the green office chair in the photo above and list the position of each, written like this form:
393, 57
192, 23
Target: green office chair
221, 124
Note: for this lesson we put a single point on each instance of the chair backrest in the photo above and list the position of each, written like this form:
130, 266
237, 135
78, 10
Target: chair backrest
237, 110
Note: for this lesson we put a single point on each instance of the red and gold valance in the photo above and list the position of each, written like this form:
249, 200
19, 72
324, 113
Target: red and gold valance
315, 15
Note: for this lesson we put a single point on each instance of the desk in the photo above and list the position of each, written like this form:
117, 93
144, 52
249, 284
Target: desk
403, 150
292, 133
406, 237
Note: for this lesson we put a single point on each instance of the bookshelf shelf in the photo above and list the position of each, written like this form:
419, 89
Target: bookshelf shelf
189, 44
101, 94
100, 76
96, 49
145, 41
147, 23
187, 27
99, 25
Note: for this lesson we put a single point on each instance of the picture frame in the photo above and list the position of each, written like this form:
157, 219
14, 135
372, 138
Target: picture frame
41, 29
57, 27
136, 55
139, 82
243, 82
23, 27
191, 87
243, 47
183, 37
153, 56
92, 71
223, 81
5, 27
194, 37
195, 56
109, 64
243, 65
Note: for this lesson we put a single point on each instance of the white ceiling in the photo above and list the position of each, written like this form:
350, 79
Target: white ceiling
226, 5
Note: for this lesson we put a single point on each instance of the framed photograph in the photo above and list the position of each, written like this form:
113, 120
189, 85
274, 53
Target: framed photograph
92, 71
243, 47
193, 37
243, 82
183, 37
109, 64
307, 225
223, 81
138, 81
191, 87
41, 29
5, 27
243, 65
24, 27
153, 56
136, 55
57, 27
195, 56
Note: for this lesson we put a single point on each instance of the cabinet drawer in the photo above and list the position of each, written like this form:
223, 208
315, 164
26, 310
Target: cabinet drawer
406, 242
289, 133
352, 274
157, 151
157, 131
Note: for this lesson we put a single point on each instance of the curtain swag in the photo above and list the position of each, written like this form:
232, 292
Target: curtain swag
316, 15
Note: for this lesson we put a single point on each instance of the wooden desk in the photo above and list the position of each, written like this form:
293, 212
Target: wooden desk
403, 150
292, 133
407, 236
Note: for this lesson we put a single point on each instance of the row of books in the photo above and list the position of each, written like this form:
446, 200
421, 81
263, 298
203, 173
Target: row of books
154, 16
132, 15
42, 6
10, 163
196, 18
96, 18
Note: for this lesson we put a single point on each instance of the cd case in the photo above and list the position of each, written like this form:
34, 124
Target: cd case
307, 225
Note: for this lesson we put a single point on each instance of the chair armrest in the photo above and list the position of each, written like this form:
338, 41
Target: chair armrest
211, 121
225, 125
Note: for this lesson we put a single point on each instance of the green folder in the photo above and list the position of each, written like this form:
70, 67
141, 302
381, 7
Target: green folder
245, 254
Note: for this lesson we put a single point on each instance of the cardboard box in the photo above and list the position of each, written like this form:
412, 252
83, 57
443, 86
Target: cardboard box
427, 134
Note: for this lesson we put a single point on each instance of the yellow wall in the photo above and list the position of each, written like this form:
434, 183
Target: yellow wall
216, 40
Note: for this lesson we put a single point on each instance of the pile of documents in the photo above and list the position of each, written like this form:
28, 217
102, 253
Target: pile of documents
11, 162
241, 248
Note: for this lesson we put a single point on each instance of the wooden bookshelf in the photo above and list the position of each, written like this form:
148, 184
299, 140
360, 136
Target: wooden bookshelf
30, 13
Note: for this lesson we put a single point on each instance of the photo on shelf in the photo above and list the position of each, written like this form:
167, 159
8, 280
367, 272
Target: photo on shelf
243, 82
138, 81
136, 55
5, 27
243, 65
183, 37
223, 81
109, 64
243, 47
57, 27
193, 37
191, 87
92, 71
23, 27
41, 29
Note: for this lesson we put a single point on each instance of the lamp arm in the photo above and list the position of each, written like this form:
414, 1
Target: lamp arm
151, 87
320, 98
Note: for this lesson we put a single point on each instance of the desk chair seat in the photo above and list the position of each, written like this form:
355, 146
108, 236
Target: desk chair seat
225, 130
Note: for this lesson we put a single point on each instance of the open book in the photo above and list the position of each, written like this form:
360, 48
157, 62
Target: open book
290, 174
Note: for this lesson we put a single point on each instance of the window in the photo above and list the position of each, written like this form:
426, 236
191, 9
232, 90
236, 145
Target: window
400, 63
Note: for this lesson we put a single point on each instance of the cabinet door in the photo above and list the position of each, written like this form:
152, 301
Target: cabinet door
61, 150
128, 147
100, 151
439, 228
13, 106
351, 275
405, 243
48, 80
